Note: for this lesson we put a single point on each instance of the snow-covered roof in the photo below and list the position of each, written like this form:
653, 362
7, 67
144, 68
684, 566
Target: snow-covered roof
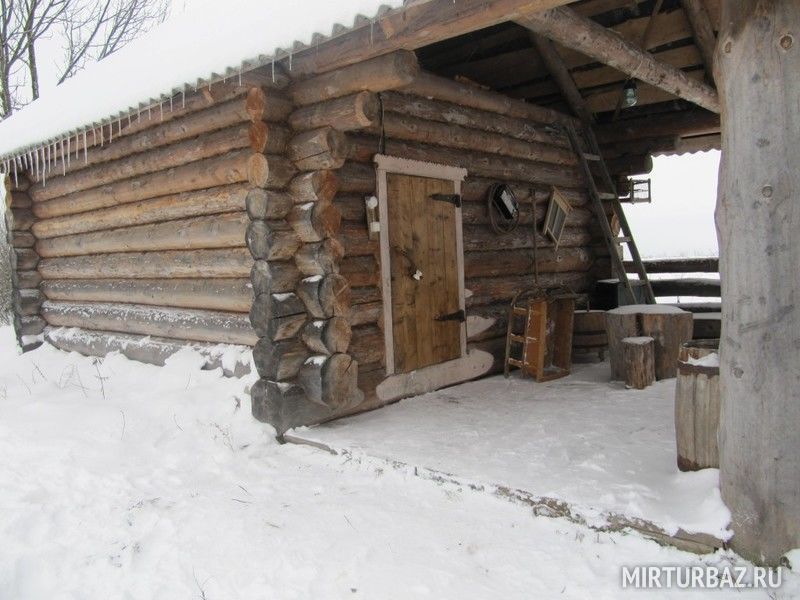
208, 45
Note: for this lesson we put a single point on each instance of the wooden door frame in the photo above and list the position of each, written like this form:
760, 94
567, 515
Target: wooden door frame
394, 165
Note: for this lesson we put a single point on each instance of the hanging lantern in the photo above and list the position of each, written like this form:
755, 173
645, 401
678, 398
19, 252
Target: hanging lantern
630, 93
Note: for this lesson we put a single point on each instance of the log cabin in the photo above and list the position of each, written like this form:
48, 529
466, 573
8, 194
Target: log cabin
326, 206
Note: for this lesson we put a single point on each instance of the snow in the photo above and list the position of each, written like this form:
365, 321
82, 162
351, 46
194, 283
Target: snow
709, 360
126, 481
638, 340
592, 443
207, 41
647, 309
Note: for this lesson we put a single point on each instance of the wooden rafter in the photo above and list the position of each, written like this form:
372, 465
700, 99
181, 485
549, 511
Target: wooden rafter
560, 74
566, 27
703, 30
420, 24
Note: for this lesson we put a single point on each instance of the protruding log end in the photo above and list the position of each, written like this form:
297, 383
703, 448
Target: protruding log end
285, 405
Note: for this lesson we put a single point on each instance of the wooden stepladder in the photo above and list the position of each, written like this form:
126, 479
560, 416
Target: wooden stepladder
602, 188
531, 340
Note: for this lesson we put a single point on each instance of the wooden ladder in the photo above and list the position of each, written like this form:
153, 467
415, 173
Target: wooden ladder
595, 182
532, 340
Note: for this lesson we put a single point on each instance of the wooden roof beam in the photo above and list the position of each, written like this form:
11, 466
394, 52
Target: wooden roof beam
704, 35
564, 26
421, 23
560, 74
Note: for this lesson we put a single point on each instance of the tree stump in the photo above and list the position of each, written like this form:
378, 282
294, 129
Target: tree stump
639, 357
667, 325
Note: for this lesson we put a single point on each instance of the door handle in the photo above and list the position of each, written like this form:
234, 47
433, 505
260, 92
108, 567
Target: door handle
455, 316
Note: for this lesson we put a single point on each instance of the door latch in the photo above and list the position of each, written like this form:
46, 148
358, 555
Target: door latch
454, 199
456, 316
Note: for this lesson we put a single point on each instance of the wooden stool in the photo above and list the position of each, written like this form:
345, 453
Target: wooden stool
639, 358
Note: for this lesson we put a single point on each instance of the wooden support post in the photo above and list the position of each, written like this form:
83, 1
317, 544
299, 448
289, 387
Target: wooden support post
758, 64
704, 35
639, 360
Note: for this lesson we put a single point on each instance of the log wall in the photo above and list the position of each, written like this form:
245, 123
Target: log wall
141, 237
340, 122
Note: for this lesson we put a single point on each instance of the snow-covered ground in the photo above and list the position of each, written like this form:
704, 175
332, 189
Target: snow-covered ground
124, 481
582, 439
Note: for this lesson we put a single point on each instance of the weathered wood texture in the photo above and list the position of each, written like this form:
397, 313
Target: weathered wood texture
183, 324
697, 405
758, 216
147, 349
638, 356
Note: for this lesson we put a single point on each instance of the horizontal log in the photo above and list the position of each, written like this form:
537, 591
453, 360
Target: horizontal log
211, 172
227, 263
319, 258
684, 123
491, 290
315, 186
269, 171
279, 361
482, 238
475, 188
356, 177
693, 286
181, 153
27, 302
318, 149
367, 344
365, 295
22, 219
267, 204
217, 231
274, 277
274, 307
271, 240
458, 114
182, 324
27, 279
352, 207
22, 239
477, 213
223, 199
389, 71
347, 113
325, 297
147, 349
355, 239
326, 337
232, 295
268, 138
29, 325
278, 328
414, 129
360, 270
519, 262
428, 85
477, 163
331, 380
26, 258
678, 265
315, 221
365, 314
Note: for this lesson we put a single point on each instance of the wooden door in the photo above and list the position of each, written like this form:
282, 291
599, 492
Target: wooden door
424, 272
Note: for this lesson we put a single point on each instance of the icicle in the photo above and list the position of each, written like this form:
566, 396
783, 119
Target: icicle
24, 161
85, 149
36, 164
77, 146
170, 103
290, 59
273, 69
149, 116
371, 30
129, 118
183, 98
119, 125
69, 152
240, 76
63, 160
161, 109
16, 176
110, 131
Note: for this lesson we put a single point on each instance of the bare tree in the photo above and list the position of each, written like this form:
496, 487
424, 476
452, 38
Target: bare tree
91, 31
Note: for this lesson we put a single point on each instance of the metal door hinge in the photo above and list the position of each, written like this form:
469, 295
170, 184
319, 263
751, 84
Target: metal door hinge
454, 199
456, 316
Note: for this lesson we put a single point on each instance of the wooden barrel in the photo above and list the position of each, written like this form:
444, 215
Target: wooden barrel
589, 332
697, 401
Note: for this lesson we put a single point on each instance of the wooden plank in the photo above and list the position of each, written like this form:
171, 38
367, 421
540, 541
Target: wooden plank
678, 265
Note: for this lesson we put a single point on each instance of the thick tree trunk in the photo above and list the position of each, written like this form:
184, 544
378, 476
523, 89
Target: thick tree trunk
758, 216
